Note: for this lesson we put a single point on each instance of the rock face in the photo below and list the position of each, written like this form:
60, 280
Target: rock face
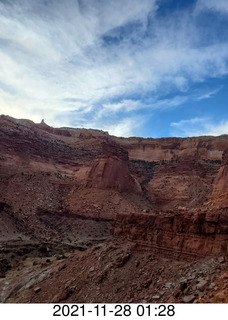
65, 170
185, 182
220, 187
176, 235
112, 171
166, 149
177, 171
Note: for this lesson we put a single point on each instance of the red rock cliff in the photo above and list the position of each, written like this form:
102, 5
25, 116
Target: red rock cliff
178, 235
219, 196
209, 148
112, 170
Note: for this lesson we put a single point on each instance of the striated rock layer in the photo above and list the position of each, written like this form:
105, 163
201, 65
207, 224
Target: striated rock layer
201, 148
176, 235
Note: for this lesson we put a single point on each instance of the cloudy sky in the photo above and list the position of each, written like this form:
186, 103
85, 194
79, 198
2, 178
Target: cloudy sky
151, 68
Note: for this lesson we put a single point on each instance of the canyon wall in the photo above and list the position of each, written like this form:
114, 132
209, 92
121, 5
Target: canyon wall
201, 148
177, 235
219, 194
134, 181
45, 167
180, 171
67, 171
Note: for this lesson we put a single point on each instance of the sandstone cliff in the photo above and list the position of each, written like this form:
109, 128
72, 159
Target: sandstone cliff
47, 169
112, 170
201, 148
177, 235
220, 186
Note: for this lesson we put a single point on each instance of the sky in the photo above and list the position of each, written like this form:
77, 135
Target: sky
148, 68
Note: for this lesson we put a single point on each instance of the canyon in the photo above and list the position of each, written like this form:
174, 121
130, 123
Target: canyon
109, 219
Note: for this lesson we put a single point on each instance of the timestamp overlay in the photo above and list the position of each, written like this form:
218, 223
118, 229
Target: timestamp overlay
113, 311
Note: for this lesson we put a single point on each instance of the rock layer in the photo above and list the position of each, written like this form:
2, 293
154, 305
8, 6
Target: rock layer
201, 148
182, 235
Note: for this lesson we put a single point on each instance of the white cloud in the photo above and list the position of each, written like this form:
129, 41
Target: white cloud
217, 5
54, 61
152, 104
26, 38
199, 127
123, 128
112, 14
208, 94
127, 105
219, 129
164, 104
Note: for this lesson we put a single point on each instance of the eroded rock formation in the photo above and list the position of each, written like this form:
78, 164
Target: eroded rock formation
112, 171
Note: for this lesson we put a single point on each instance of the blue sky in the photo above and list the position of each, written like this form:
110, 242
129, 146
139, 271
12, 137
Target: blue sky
151, 68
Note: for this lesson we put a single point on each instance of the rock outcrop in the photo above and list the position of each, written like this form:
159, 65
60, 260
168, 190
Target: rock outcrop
112, 170
219, 196
177, 235
68, 171
178, 171
166, 149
